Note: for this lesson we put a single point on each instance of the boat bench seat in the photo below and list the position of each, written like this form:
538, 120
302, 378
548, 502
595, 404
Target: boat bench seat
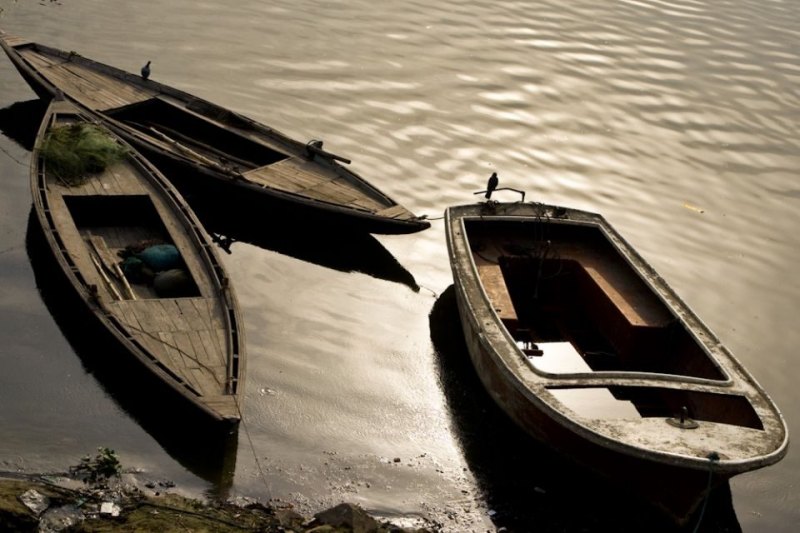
622, 307
632, 299
495, 286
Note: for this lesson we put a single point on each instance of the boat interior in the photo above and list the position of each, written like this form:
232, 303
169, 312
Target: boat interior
114, 227
174, 124
574, 305
565, 287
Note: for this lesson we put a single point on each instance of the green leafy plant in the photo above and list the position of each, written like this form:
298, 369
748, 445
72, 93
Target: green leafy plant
71, 153
97, 469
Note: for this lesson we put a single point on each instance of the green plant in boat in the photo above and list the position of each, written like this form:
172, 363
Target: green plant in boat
72, 153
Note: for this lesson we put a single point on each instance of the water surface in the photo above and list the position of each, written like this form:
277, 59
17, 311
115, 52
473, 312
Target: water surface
676, 120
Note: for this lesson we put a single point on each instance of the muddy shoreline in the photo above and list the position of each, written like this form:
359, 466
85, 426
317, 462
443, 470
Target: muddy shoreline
49, 503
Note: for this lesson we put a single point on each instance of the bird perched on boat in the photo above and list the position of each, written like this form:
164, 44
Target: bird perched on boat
146, 70
492, 185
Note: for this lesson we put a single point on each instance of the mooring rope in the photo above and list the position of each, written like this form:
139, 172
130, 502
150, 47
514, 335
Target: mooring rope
235, 402
713, 459
243, 423
13, 158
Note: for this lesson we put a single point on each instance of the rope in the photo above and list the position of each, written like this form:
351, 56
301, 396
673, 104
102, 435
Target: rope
12, 157
713, 459
235, 402
10, 249
261, 473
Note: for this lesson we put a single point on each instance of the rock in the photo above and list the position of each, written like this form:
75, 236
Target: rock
72, 509
60, 518
350, 516
289, 519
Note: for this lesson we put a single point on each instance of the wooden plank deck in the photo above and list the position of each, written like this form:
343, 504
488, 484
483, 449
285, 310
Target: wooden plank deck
188, 346
396, 211
91, 88
298, 176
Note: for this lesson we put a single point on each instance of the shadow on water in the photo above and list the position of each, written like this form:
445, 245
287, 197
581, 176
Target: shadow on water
231, 215
20, 121
206, 452
527, 485
329, 248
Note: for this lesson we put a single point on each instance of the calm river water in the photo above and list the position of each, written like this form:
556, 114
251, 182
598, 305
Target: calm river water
678, 120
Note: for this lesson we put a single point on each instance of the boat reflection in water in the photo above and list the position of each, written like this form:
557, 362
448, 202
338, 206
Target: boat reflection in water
20, 121
123, 380
528, 486
341, 249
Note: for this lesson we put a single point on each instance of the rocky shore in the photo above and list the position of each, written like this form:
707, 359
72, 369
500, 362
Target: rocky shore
97, 497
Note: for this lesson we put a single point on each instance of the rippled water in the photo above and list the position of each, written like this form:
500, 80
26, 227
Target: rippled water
676, 120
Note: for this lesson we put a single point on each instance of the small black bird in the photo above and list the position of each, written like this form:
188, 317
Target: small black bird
146, 70
492, 185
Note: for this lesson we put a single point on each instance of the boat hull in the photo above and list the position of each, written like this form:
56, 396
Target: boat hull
190, 343
675, 491
537, 285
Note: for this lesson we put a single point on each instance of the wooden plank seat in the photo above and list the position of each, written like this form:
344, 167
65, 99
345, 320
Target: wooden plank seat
495, 286
631, 298
621, 306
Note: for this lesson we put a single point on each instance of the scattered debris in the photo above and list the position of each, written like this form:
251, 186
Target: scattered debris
693, 208
110, 508
35, 501
96, 496
60, 518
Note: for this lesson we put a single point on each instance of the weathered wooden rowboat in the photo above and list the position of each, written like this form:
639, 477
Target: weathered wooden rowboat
583, 345
255, 166
191, 340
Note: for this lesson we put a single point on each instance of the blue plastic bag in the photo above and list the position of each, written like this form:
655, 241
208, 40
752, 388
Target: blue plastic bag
161, 257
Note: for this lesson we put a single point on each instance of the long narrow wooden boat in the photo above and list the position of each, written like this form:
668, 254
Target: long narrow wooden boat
255, 166
586, 347
189, 337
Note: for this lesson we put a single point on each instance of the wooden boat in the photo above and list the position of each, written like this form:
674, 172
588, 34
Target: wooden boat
583, 345
190, 337
253, 165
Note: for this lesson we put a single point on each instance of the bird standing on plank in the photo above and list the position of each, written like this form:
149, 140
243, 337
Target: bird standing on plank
146, 70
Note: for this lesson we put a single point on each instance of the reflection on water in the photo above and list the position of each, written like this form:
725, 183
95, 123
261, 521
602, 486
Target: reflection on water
20, 121
345, 251
208, 454
530, 486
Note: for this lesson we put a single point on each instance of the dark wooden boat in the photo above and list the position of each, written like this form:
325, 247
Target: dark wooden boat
188, 336
255, 166
582, 344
